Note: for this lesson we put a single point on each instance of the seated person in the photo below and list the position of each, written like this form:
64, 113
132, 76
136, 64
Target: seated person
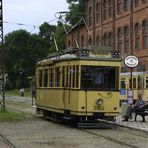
137, 106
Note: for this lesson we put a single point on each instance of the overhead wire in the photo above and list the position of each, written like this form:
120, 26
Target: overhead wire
27, 25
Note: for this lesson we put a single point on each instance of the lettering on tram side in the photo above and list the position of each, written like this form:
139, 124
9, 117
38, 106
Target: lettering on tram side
98, 108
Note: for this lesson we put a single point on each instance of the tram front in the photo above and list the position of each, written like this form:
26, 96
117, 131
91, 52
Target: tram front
100, 85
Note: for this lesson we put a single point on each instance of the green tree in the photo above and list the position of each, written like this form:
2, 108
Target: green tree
22, 51
76, 8
45, 31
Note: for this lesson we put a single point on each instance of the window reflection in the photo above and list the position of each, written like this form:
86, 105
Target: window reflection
96, 77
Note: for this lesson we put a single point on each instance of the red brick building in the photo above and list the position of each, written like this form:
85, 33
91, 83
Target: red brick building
122, 24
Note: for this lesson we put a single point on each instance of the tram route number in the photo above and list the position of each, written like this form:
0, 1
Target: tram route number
98, 107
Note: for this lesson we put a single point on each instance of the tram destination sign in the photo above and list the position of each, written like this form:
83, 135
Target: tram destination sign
131, 61
100, 54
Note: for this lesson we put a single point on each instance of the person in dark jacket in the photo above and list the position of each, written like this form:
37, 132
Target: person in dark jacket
140, 103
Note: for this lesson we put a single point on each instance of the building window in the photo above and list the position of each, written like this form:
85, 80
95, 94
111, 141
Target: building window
82, 41
144, 34
126, 5
141, 67
98, 10
136, 3
119, 7
105, 9
90, 41
98, 40
110, 2
69, 43
143, 1
105, 40
126, 39
137, 36
90, 17
119, 38
110, 39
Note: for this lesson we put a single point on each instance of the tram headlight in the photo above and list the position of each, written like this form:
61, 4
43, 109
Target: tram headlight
99, 101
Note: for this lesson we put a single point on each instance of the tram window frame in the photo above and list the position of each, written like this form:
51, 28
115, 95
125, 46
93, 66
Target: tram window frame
51, 77
70, 76
57, 76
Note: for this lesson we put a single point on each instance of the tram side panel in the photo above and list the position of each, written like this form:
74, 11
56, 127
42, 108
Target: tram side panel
51, 100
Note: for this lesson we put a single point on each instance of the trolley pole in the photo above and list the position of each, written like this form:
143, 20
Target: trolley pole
2, 60
131, 78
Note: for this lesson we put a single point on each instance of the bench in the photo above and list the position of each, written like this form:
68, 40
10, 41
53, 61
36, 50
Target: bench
142, 112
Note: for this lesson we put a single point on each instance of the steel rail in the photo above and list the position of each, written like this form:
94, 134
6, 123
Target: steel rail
6, 141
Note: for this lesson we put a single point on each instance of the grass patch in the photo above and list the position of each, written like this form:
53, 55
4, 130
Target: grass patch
15, 92
8, 115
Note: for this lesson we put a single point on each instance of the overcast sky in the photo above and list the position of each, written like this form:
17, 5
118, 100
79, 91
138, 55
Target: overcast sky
30, 12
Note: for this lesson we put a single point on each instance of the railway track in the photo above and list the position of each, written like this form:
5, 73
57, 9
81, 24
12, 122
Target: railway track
6, 142
125, 138
111, 139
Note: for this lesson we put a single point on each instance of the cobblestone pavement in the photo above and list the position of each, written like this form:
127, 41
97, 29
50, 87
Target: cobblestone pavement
134, 124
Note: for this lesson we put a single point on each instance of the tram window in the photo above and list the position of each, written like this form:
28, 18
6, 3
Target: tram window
99, 77
77, 76
66, 76
57, 77
51, 83
134, 82
40, 78
63, 76
146, 82
123, 85
139, 82
45, 78
71, 74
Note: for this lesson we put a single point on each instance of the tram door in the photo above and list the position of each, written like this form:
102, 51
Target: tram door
70, 80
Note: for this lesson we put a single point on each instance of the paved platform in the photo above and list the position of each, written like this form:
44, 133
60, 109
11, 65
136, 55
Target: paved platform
133, 124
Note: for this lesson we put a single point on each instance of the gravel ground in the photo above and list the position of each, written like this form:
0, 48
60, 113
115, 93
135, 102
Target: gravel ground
35, 132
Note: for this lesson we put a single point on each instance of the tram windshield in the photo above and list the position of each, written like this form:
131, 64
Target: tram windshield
99, 77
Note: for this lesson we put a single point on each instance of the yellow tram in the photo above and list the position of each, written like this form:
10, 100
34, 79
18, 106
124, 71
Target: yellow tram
79, 84
139, 85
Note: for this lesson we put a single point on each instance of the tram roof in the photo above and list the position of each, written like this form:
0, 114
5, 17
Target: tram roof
93, 53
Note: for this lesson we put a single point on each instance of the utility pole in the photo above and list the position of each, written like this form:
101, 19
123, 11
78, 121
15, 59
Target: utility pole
2, 59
